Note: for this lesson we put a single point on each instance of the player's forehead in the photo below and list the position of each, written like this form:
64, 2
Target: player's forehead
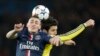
54, 27
34, 19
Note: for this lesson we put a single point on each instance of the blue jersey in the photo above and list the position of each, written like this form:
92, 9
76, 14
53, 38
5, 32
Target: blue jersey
31, 47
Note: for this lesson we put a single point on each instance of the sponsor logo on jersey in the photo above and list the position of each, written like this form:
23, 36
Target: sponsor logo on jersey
28, 45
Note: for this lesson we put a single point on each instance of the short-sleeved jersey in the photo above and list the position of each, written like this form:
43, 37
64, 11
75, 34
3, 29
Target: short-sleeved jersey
35, 46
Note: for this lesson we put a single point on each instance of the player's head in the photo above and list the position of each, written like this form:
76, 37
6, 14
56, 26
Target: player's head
34, 24
50, 26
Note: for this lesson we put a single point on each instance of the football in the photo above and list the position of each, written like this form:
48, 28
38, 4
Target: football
41, 11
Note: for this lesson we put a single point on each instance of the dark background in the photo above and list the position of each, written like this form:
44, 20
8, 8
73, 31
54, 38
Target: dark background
69, 13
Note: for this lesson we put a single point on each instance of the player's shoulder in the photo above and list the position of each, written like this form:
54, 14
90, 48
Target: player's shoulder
42, 32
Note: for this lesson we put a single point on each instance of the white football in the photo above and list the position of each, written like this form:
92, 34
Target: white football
41, 11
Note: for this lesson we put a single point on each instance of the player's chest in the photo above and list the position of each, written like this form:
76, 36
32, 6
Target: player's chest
31, 39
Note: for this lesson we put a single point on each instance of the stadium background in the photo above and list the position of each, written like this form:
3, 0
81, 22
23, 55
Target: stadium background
69, 13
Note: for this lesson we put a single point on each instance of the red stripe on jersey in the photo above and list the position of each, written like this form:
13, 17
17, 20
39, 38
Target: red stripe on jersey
28, 51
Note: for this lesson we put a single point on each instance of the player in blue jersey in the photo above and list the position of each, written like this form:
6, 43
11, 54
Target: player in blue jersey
31, 40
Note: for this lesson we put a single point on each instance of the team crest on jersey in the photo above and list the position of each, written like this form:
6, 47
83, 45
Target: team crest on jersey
37, 37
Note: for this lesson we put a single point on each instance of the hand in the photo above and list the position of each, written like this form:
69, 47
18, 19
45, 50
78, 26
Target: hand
89, 23
18, 27
55, 41
70, 42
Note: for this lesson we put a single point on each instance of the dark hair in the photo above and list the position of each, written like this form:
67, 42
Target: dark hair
46, 24
35, 16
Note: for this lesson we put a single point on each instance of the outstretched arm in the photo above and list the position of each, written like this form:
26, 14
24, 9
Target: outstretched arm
75, 32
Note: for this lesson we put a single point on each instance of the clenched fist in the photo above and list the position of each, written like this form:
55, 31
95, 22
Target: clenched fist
89, 23
18, 27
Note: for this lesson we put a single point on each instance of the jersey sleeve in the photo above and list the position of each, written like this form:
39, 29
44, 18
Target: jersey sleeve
46, 37
73, 33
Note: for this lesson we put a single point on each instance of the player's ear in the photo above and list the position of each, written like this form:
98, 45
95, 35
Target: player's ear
40, 26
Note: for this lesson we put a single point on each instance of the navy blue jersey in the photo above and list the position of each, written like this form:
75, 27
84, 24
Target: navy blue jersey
35, 46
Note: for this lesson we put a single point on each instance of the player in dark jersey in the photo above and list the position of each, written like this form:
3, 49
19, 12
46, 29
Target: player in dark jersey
31, 40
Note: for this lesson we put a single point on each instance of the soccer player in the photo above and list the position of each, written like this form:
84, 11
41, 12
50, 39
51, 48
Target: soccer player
31, 40
50, 26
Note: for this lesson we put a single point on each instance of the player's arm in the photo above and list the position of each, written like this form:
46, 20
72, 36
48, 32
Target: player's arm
52, 40
75, 32
11, 34
69, 42
14, 33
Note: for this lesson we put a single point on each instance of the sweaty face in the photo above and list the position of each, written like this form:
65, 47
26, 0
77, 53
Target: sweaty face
52, 31
33, 25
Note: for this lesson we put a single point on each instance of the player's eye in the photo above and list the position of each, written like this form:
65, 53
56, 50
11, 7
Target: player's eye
53, 30
36, 22
31, 22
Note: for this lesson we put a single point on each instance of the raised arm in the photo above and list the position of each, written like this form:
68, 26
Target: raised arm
14, 33
75, 32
